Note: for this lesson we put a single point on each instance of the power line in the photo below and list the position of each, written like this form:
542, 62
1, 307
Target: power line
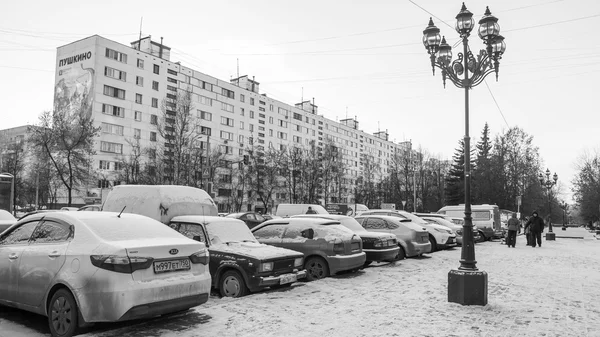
428, 12
496, 102
554, 23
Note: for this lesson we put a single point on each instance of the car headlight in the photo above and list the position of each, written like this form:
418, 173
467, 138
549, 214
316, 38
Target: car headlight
267, 266
298, 262
459, 232
443, 230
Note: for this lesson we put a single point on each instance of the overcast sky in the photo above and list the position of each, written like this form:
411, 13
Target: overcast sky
359, 58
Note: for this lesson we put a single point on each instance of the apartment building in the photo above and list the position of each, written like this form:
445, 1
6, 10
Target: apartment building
123, 87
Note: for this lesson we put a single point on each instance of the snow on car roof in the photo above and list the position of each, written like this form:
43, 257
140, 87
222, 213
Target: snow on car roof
255, 249
4, 215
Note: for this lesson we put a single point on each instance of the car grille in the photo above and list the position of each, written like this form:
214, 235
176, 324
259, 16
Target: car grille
283, 266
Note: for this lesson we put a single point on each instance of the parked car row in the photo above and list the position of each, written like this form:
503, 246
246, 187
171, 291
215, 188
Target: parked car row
153, 250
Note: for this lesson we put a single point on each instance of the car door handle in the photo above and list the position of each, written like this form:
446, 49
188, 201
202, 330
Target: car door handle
13, 256
54, 254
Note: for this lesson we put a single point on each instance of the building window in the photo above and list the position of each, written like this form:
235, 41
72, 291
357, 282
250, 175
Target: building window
251, 101
242, 111
281, 135
227, 93
241, 125
172, 80
114, 92
297, 116
226, 107
169, 87
242, 98
172, 72
152, 153
156, 69
111, 147
137, 133
115, 55
297, 140
207, 86
113, 110
241, 139
226, 149
251, 114
261, 108
154, 85
205, 115
104, 165
270, 132
112, 129
205, 131
116, 74
261, 102
155, 102
282, 123
270, 120
205, 100
140, 63
153, 119
138, 116
152, 136
226, 135
251, 127
298, 128
139, 80
138, 98
227, 121
270, 107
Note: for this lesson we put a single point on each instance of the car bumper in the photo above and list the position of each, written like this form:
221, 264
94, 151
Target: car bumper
415, 249
386, 254
109, 296
339, 263
292, 277
451, 242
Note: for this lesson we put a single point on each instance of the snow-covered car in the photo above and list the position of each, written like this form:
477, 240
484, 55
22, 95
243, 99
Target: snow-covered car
84, 267
378, 246
328, 246
439, 236
413, 239
69, 208
6, 220
446, 221
91, 208
239, 264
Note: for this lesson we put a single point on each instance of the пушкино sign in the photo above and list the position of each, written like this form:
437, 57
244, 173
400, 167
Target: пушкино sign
75, 59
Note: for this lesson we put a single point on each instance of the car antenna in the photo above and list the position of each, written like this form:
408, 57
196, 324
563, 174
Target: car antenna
118, 216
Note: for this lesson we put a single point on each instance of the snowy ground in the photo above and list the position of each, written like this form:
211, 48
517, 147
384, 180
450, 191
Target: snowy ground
549, 291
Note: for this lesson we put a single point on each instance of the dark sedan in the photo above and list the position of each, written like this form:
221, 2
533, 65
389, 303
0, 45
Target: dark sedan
252, 219
378, 246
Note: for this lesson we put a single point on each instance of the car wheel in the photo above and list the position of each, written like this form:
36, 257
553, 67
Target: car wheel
63, 314
233, 285
434, 247
401, 254
316, 268
482, 237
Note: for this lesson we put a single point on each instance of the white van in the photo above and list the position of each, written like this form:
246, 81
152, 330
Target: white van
346, 209
287, 210
160, 202
485, 217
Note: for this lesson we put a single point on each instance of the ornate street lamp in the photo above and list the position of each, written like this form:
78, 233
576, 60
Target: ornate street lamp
467, 285
548, 183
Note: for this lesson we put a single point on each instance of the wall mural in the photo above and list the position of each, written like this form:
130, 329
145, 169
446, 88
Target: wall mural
74, 89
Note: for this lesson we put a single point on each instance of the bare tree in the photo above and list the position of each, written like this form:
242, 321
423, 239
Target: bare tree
131, 165
264, 174
67, 138
14, 156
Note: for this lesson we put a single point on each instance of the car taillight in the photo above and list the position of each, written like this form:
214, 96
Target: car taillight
338, 246
121, 264
200, 256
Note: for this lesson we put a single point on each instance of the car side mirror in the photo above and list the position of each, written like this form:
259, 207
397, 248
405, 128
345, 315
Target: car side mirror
308, 233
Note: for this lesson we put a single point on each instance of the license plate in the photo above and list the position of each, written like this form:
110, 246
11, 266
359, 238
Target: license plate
171, 265
288, 278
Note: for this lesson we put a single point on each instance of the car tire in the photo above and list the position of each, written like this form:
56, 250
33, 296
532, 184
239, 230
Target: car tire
316, 268
63, 314
434, 247
482, 237
401, 254
233, 285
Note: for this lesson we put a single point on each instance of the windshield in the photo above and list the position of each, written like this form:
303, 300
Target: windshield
413, 218
352, 224
229, 231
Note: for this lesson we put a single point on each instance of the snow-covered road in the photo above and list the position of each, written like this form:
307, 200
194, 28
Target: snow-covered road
549, 291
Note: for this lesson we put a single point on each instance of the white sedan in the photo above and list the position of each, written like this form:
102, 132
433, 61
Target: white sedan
84, 267
6, 220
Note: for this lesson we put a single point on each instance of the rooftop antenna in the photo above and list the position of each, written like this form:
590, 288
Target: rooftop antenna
346, 112
302, 97
238, 70
140, 40
118, 216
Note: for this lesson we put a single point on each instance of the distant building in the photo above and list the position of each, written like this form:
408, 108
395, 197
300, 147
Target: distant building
124, 86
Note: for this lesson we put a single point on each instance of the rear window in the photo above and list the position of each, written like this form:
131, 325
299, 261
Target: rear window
332, 231
129, 228
352, 224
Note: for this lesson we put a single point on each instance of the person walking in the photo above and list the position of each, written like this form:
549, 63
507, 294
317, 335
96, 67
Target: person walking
536, 227
527, 232
513, 227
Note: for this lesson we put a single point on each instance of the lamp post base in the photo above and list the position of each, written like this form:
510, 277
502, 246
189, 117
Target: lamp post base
467, 287
550, 236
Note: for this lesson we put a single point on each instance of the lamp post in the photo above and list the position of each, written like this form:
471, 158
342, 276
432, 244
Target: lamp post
548, 183
467, 285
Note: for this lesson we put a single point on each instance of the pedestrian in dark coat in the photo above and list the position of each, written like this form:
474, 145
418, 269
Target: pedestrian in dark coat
527, 232
536, 226
513, 227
